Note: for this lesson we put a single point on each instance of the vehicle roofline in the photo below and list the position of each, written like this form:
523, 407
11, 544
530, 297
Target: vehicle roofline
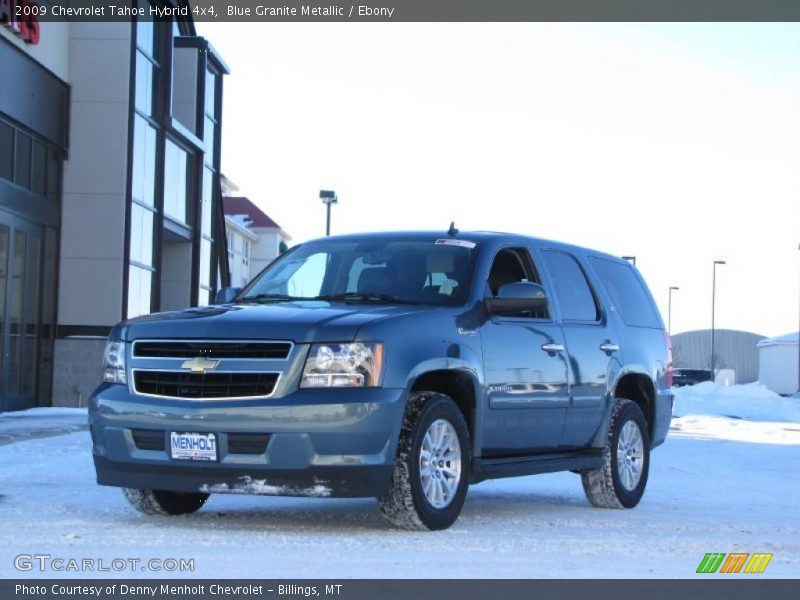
473, 235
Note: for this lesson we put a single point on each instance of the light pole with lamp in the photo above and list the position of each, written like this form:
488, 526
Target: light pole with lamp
328, 197
713, 306
630, 259
672, 288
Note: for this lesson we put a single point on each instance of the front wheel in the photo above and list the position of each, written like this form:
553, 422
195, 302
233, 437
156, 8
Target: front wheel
158, 502
620, 481
432, 467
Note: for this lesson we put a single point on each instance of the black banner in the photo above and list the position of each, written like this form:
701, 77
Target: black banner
418, 589
410, 10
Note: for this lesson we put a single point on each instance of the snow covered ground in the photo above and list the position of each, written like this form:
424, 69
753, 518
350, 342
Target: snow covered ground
718, 484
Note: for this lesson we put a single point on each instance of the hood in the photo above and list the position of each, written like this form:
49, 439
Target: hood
301, 322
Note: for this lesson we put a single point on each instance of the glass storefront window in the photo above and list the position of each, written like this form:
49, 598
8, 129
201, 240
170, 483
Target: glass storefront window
144, 84
175, 182
205, 262
207, 201
141, 235
38, 167
210, 136
143, 178
211, 93
145, 38
22, 162
53, 186
6, 151
139, 288
30, 333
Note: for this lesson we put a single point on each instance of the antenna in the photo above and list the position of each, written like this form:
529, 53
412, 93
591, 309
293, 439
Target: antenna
452, 230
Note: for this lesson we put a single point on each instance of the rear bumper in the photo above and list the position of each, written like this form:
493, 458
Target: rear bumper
338, 443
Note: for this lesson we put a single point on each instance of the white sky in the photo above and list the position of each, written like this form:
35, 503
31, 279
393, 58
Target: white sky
677, 143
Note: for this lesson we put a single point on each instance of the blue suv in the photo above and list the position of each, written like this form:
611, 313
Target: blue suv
401, 366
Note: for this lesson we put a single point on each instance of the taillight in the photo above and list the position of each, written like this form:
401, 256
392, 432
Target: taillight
668, 344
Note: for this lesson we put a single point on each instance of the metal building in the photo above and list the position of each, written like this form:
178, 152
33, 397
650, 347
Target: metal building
778, 363
733, 349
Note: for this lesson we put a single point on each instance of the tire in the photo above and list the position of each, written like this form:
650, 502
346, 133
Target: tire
612, 485
407, 505
157, 502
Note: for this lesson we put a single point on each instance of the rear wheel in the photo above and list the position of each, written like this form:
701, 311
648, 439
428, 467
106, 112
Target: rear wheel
621, 480
431, 472
158, 502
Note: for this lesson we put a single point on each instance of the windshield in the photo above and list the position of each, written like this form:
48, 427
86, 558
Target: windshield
384, 270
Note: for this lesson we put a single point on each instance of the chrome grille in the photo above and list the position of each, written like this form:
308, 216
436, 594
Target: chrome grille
204, 386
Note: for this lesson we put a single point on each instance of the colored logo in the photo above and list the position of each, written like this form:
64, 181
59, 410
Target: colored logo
735, 562
200, 365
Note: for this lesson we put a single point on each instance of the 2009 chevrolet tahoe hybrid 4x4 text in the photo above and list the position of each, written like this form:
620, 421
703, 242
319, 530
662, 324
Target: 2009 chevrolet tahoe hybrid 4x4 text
402, 366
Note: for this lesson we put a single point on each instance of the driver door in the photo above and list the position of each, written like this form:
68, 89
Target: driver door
525, 370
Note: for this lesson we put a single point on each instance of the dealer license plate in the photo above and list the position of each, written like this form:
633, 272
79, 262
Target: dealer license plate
193, 446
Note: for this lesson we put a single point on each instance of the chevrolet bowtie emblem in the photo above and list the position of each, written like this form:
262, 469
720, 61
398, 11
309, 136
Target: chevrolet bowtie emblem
200, 365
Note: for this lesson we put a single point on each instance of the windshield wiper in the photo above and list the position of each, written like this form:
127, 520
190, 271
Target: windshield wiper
268, 298
365, 297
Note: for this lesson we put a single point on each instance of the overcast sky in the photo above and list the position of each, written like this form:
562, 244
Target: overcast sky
677, 143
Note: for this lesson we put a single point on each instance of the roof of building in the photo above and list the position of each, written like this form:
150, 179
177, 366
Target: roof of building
240, 205
790, 339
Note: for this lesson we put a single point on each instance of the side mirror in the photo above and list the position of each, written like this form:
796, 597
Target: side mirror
226, 294
518, 298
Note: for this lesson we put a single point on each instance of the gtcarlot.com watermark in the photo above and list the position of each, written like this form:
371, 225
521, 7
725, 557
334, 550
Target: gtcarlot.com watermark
57, 564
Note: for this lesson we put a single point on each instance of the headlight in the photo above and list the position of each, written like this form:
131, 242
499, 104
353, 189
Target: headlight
114, 363
343, 365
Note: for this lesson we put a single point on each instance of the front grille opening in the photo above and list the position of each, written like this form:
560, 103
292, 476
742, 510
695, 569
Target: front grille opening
241, 350
247, 443
148, 439
200, 386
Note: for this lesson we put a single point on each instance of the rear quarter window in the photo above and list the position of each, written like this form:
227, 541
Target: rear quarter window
628, 293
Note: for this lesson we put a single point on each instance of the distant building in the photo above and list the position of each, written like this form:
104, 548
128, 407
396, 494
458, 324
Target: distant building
241, 240
254, 239
733, 349
778, 363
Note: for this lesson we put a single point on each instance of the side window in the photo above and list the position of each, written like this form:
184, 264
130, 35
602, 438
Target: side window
630, 297
571, 288
510, 266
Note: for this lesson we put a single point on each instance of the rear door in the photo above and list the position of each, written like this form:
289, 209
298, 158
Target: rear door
591, 343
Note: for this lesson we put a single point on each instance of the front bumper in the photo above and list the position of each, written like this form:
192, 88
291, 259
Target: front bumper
339, 443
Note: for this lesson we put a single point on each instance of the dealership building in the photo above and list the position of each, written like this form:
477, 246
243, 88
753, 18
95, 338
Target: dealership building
110, 198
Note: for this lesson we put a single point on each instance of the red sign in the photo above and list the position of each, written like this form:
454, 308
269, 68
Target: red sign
21, 17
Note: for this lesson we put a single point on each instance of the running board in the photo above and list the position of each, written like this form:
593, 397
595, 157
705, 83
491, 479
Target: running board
496, 468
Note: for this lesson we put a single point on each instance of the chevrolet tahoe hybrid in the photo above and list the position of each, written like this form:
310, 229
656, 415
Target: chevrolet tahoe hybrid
400, 366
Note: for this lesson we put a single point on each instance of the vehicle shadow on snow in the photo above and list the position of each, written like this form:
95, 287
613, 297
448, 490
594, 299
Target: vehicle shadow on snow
268, 514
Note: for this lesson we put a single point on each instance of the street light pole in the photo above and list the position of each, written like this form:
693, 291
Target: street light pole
630, 259
713, 306
669, 309
328, 197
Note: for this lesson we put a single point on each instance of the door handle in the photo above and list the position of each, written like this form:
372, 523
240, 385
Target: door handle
609, 348
551, 348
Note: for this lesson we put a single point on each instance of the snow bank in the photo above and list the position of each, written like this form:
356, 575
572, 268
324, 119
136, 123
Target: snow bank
750, 401
44, 412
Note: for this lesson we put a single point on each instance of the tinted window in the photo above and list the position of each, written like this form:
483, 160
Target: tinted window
22, 166
630, 297
571, 288
6, 151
